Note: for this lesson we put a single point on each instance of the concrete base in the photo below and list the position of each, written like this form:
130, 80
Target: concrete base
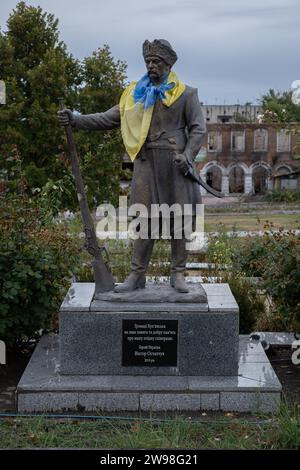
43, 389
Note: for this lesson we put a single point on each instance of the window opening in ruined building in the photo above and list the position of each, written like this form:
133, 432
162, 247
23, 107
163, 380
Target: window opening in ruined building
214, 141
237, 141
260, 140
283, 141
214, 177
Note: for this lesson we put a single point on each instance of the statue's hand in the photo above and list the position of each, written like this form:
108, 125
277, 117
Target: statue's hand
182, 163
65, 117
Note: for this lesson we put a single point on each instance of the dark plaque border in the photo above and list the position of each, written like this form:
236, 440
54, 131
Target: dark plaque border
149, 343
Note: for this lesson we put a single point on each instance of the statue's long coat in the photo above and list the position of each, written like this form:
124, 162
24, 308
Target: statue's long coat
180, 128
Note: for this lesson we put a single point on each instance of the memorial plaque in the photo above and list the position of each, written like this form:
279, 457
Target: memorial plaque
150, 343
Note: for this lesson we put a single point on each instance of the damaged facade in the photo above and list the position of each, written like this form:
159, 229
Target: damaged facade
250, 158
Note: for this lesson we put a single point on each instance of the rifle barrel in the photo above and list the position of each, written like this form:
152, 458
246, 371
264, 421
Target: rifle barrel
104, 280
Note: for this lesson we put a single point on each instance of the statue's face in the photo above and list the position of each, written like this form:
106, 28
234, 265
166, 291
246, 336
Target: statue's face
157, 68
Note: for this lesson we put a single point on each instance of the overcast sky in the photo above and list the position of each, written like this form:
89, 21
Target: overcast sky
232, 51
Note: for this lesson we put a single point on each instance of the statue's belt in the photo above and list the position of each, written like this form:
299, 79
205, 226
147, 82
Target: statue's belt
166, 140
171, 140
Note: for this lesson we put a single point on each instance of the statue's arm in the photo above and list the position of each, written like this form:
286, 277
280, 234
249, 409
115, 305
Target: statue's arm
110, 119
196, 125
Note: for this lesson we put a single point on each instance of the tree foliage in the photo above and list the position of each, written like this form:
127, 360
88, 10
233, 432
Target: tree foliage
275, 258
37, 261
104, 80
38, 71
279, 107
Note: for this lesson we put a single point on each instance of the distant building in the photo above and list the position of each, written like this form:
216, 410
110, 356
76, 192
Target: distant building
241, 156
250, 157
215, 114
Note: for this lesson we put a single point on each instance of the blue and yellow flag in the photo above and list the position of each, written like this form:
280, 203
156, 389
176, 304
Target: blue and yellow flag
136, 108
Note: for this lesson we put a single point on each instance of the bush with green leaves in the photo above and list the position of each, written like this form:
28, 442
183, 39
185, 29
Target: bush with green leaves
275, 258
282, 195
160, 262
249, 255
251, 304
36, 263
219, 249
281, 276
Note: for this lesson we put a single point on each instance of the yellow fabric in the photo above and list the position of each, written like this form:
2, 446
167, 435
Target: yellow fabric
136, 120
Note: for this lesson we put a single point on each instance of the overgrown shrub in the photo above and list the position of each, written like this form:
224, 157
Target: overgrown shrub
219, 249
281, 276
36, 264
249, 255
250, 302
275, 258
228, 270
120, 253
282, 195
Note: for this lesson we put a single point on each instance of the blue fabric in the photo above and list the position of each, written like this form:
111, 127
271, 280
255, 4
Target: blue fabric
147, 93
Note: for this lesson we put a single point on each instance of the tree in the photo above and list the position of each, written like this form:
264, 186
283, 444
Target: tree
279, 107
38, 71
104, 80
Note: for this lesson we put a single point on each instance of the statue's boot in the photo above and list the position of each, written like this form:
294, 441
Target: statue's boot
178, 262
142, 250
179, 284
132, 282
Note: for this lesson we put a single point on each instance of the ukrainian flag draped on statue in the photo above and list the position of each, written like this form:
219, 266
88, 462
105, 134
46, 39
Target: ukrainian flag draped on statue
136, 108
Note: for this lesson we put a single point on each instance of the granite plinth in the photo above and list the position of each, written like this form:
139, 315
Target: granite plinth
194, 338
43, 388
202, 364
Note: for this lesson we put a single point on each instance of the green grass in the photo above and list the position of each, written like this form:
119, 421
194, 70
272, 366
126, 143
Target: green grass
221, 221
229, 432
214, 222
244, 207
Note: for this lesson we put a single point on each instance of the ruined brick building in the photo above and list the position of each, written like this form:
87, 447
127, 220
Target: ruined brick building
248, 157
241, 156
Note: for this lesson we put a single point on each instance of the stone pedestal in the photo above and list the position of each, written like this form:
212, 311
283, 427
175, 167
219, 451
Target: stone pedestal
113, 356
142, 338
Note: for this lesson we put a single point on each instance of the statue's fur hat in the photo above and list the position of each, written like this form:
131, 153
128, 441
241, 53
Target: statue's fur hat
160, 48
